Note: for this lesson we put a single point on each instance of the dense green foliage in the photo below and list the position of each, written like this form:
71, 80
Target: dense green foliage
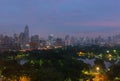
56, 64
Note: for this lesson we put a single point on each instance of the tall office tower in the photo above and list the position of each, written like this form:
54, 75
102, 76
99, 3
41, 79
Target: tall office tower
73, 41
43, 43
16, 38
51, 40
24, 38
67, 40
35, 42
59, 42
26, 34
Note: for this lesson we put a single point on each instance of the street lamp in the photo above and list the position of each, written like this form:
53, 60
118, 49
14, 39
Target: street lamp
108, 51
97, 68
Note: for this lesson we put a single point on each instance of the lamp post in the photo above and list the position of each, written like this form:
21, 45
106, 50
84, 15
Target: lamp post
97, 69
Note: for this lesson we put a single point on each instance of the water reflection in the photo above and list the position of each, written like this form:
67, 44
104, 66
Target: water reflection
107, 63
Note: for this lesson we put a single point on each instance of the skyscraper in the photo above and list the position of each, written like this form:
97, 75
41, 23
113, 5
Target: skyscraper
34, 44
26, 34
67, 40
24, 38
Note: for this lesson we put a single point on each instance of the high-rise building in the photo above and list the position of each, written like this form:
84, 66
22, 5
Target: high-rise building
7, 43
26, 34
35, 42
43, 43
67, 40
73, 41
51, 40
59, 42
24, 38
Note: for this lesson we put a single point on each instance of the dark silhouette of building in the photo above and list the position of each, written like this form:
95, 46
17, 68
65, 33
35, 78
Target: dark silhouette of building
26, 34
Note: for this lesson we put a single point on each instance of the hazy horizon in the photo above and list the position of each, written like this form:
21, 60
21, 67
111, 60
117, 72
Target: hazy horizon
61, 17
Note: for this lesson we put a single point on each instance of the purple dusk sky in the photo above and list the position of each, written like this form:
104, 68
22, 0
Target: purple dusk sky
60, 17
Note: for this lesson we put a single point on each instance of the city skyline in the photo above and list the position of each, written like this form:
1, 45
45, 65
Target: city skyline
73, 17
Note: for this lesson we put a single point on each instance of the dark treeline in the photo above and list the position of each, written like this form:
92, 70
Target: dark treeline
51, 65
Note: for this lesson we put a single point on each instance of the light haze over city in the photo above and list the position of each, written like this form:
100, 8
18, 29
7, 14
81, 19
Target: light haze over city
60, 17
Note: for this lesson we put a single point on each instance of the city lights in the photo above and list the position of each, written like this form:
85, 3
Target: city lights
59, 40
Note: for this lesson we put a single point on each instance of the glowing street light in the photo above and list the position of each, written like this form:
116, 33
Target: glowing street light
108, 51
97, 68
115, 51
110, 57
